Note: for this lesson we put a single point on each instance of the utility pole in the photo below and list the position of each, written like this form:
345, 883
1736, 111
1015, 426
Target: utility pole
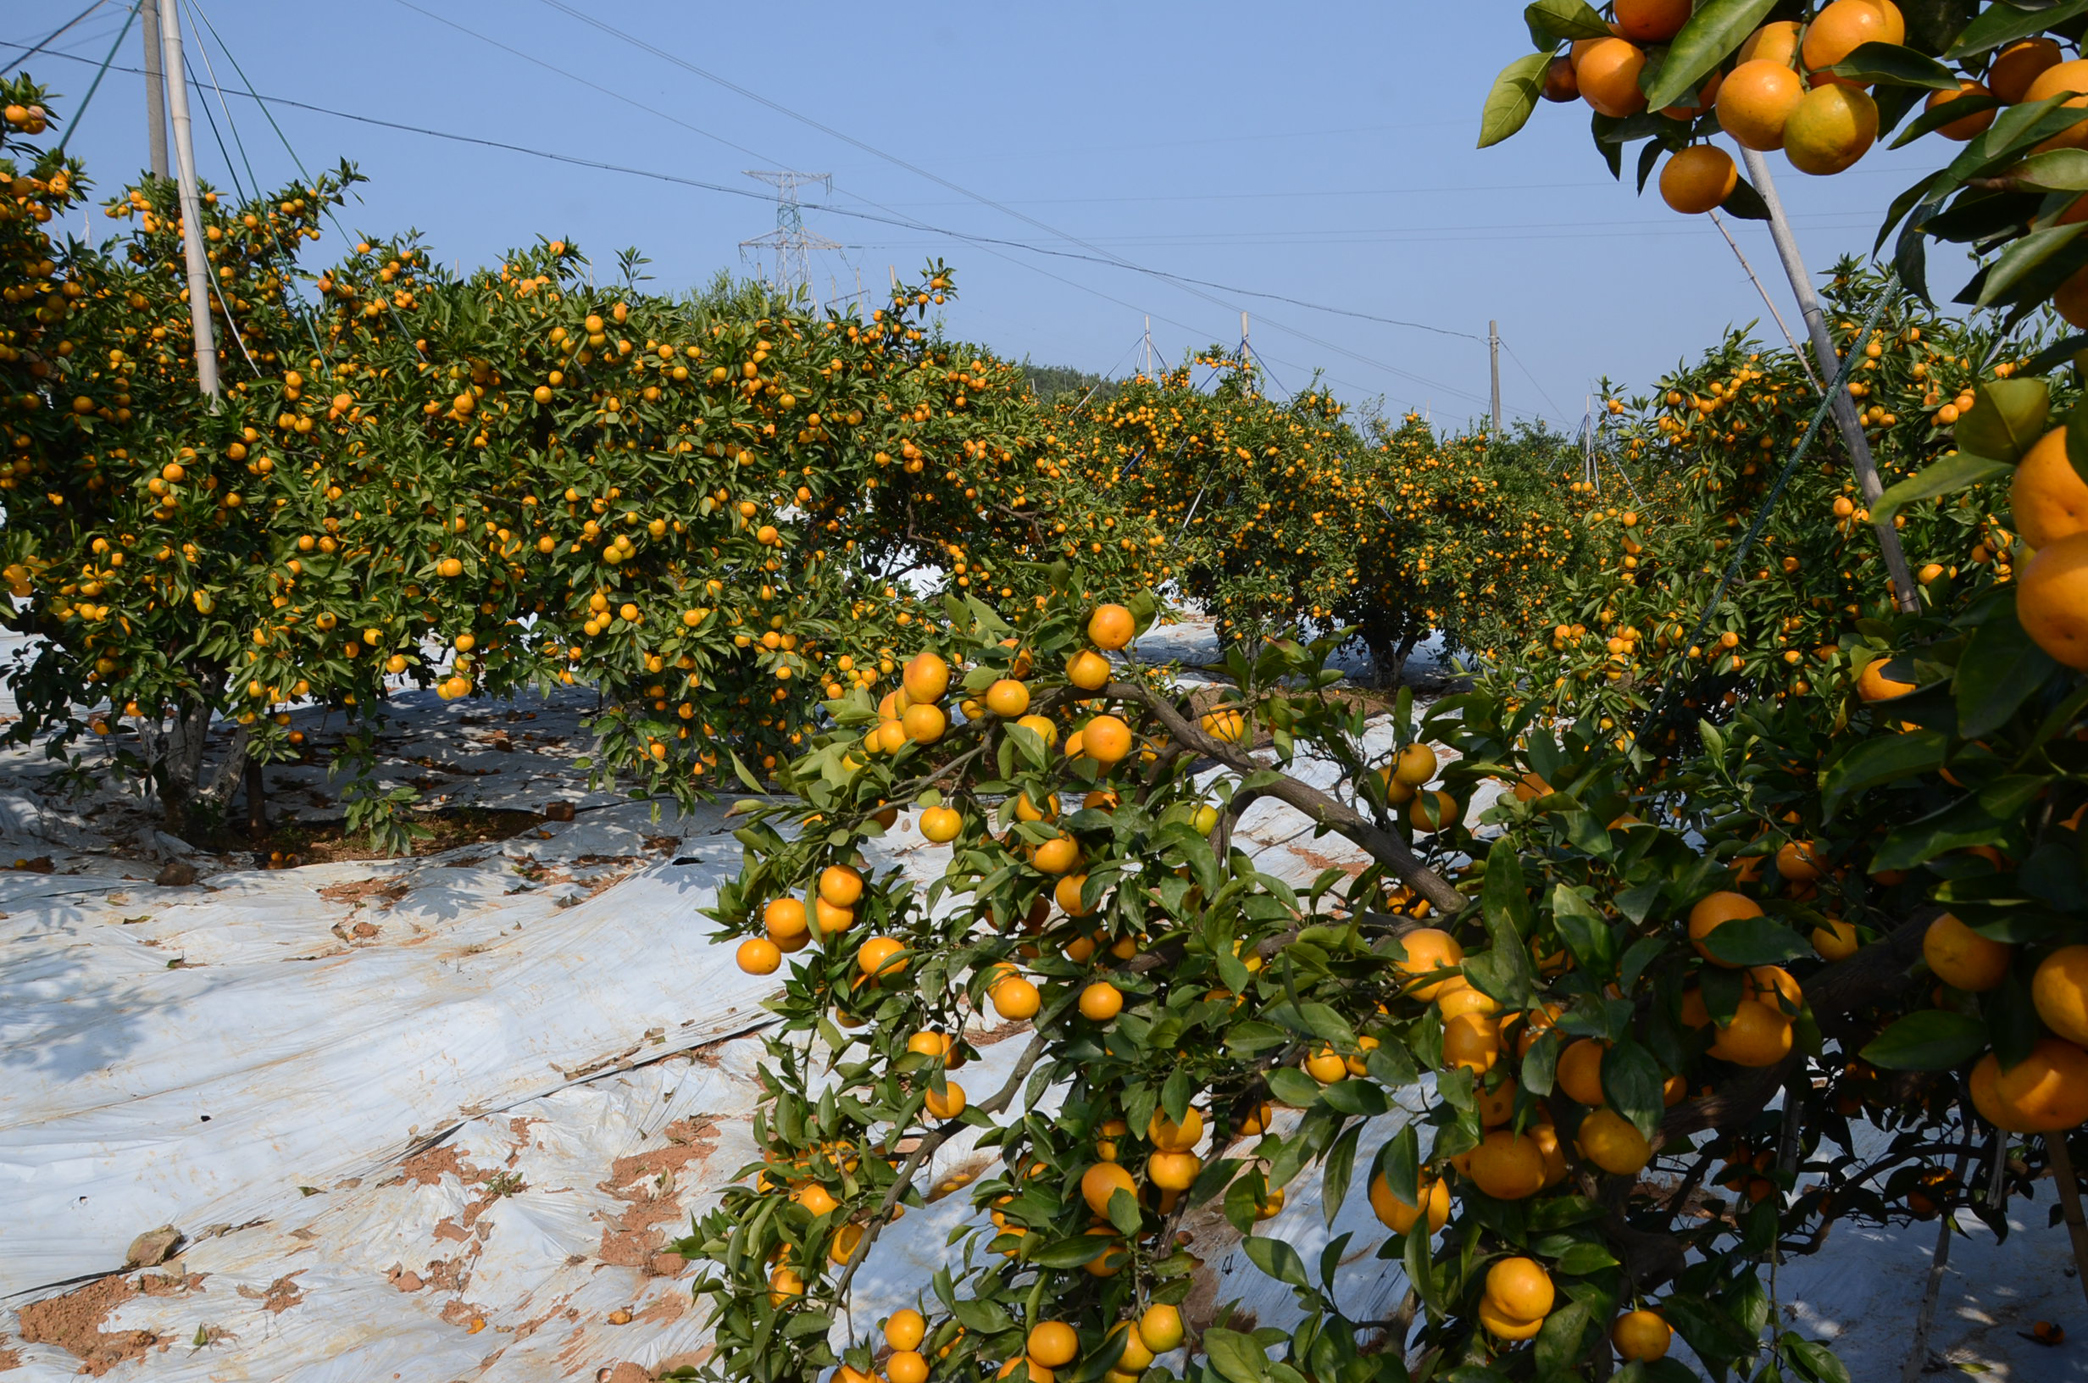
1904, 593
1243, 338
191, 201
1493, 353
155, 93
1146, 365
790, 240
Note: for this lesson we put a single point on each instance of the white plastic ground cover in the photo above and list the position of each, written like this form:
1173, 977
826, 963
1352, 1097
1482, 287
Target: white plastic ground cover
459, 1106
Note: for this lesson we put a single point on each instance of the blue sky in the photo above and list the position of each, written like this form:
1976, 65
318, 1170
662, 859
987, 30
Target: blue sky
1326, 158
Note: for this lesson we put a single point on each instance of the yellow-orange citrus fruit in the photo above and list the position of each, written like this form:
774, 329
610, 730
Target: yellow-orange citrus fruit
1434, 811
1776, 987
1507, 1166
1458, 996
947, 1105
840, 885
1876, 684
2060, 992
1101, 1181
1642, 1336
2019, 64
1579, 1072
1777, 43
1101, 1001
1520, 1289
2063, 77
1060, 855
1962, 958
1497, 1106
1066, 893
1613, 1143
1326, 1066
1429, 949
1843, 27
941, 824
926, 678
1473, 1041
906, 1329
1831, 128
2047, 495
1698, 178
785, 917
1652, 21
1758, 1036
758, 955
1800, 861
1111, 627
1608, 73
1835, 940
880, 956
1169, 1136
1053, 1344
1136, 1358
924, 723
785, 1283
1965, 126
1105, 739
1399, 1216
1088, 670
829, 920
1506, 1327
1756, 100
1227, 726
1173, 1171
1715, 911
1547, 1140
2046, 1092
1015, 998
1161, 1328
1415, 765
2052, 600
906, 1366
1007, 698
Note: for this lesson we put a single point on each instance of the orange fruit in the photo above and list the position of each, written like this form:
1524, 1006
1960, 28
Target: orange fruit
2019, 64
1608, 72
1227, 727
1457, 996
1642, 1336
924, 723
1504, 1327
1756, 100
926, 678
1507, 1166
1111, 627
1547, 1140
2060, 992
878, 956
1613, 1143
1775, 987
2048, 497
784, 918
1962, 958
1800, 861
1105, 739
1715, 911
1415, 765
1101, 1181
1837, 940
906, 1329
1173, 1171
1326, 1066
1008, 698
1088, 670
1160, 1328
784, 1283
1434, 811
1067, 894
2070, 299
1015, 998
949, 1104
906, 1366
1473, 1041
840, 885
1169, 1136
1758, 1036
1875, 684
1497, 1106
1651, 21
2062, 78
757, 955
1399, 1216
1965, 126
2052, 600
1843, 27
1831, 127
1053, 1344
1057, 856
941, 824
829, 920
1520, 1289
1101, 1001
1579, 1071
1560, 83
1429, 949
1698, 178
1777, 43
2047, 1092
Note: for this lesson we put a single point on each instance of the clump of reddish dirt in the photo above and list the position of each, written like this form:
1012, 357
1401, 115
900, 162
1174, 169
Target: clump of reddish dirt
633, 1237
73, 1322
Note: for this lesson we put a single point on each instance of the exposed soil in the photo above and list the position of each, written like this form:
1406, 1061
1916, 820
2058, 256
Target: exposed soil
73, 1322
290, 843
646, 1183
282, 1294
9, 1359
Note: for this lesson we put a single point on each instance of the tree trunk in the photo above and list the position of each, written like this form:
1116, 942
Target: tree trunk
256, 801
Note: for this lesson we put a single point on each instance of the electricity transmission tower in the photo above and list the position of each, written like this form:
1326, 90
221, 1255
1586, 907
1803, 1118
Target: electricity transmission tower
791, 243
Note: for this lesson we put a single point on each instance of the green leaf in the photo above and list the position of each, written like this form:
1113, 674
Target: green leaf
1358, 1097
1929, 121
2008, 416
1515, 94
1581, 1259
1713, 31
1559, 1341
2023, 257
1883, 759
1892, 62
1755, 941
1399, 1163
1631, 1081
1236, 1357
1931, 1039
2055, 170
1293, 1087
1585, 932
1339, 1168
1565, 19
1278, 1259
2001, 668
1946, 477
1075, 1252
1562, 1212
1814, 1359
1953, 827
2001, 24
1124, 1212
1744, 203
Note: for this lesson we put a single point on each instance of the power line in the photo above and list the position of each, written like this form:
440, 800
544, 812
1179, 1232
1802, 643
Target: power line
59, 32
